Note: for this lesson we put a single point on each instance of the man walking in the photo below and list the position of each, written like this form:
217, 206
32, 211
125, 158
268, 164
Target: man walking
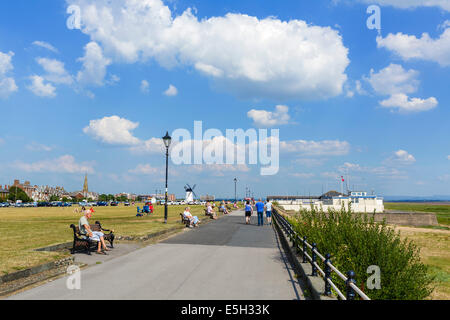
260, 210
269, 212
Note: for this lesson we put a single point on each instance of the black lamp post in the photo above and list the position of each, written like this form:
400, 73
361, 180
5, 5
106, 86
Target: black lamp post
235, 197
167, 140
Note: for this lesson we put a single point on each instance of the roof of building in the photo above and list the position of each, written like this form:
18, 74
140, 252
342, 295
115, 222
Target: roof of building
331, 194
291, 197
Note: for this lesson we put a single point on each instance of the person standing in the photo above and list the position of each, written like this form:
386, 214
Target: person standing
269, 212
248, 212
260, 211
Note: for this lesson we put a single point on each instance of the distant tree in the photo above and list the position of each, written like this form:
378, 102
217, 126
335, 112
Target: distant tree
122, 198
65, 199
54, 198
16, 193
103, 197
111, 197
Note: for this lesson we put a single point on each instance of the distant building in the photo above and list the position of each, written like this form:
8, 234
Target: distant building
44, 193
360, 202
129, 196
26, 187
4, 193
207, 198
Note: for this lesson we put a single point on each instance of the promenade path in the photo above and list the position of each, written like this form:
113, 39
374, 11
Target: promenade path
224, 259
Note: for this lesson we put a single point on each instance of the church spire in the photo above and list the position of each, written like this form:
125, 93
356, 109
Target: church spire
85, 186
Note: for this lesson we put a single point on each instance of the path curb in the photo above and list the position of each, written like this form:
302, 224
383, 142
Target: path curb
37, 269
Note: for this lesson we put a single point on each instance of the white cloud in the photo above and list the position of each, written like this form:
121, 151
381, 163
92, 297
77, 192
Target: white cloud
410, 4
146, 169
448, 157
218, 170
245, 55
263, 118
310, 162
398, 83
303, 175
380, 171
94, 67
425, 48
394, 79
316, 148
171, 91
56, 72
63, 164
45, 45
40, 88
406, 104
38, 147
7, 84
113, 79
113, 130
152, 145
145, 86
6, 62
400, 157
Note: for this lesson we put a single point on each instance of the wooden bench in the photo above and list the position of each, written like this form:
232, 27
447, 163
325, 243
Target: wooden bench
185, 220
83, 243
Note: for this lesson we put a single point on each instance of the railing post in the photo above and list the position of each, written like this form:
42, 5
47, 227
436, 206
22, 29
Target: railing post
327, 271
350, 291
304, 249
314, 258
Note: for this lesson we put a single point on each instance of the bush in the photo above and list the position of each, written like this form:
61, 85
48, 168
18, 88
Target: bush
355, 242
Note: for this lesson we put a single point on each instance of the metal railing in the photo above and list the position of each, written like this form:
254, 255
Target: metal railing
302, 245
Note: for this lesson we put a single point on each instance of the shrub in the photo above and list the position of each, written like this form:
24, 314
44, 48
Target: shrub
355, 242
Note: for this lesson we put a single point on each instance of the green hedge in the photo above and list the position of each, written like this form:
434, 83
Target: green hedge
355, 242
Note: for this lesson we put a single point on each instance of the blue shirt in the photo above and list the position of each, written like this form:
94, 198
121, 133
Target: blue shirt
260, 207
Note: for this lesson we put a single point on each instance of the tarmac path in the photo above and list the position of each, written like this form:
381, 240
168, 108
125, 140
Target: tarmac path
224, 259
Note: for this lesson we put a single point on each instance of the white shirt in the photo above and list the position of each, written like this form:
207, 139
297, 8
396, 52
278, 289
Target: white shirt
187, 214
269, 206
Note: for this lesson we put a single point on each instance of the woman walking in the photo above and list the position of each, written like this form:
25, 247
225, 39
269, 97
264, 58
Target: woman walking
248, 212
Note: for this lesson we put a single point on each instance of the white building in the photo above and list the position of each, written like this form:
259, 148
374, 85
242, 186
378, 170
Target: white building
360, 202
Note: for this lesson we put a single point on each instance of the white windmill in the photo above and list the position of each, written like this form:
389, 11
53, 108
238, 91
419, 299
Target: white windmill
189, 193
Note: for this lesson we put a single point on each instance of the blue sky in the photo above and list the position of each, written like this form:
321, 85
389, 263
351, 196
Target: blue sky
374, 108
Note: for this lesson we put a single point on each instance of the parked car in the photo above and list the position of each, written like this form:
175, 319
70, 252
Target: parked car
114, 204
102, 203
126, 204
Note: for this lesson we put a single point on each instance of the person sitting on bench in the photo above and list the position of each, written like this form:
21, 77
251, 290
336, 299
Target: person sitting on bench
224, 208
193, 219
85, 230
210, 211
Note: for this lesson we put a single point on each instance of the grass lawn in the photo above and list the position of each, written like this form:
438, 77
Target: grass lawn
24, 229
435, 252
442, 211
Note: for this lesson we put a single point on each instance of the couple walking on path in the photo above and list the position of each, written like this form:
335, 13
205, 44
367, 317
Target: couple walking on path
260, 206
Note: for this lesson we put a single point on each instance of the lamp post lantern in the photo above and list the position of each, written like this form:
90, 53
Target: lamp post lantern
235, 196
167, 140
